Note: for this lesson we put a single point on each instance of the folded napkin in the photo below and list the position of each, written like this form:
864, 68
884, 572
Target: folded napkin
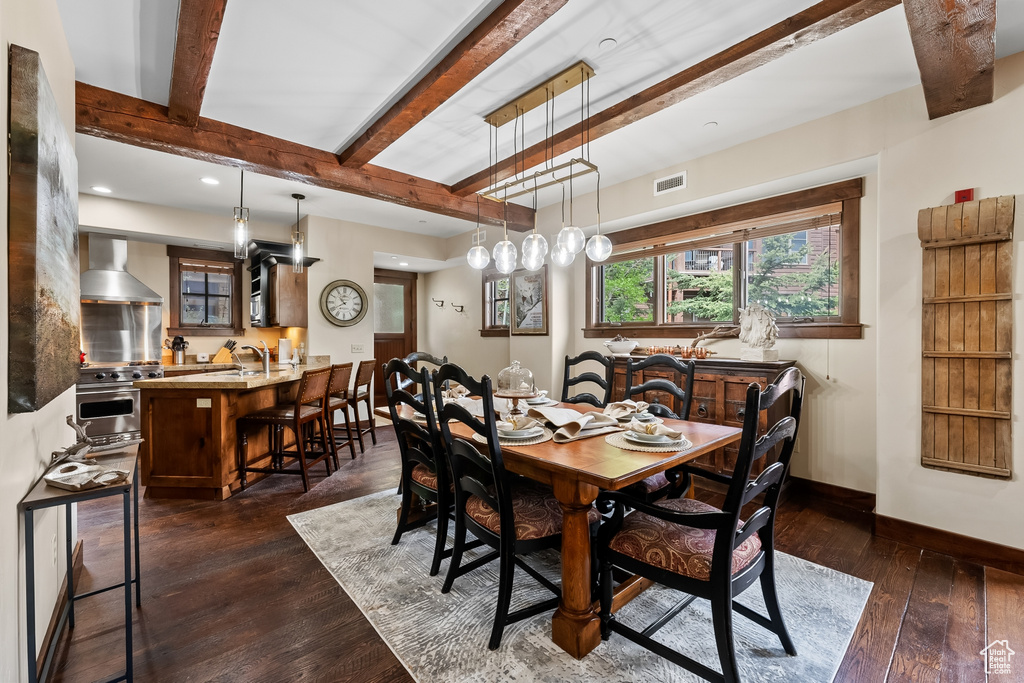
586, 426
653, 428
455, 390
516, 423
625, 408
475, 406
559, 417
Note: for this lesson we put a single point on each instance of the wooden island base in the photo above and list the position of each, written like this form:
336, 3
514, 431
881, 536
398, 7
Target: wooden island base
190, 440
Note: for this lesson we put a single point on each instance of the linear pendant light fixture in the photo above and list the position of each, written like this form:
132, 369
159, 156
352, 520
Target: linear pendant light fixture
241, 221
298, 239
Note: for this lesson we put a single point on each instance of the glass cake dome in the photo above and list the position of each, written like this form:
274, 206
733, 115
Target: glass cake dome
515, 380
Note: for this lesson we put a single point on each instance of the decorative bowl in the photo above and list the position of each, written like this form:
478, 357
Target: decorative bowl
620, 347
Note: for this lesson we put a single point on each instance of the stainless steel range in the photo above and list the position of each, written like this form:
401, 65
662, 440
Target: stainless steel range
121, 319
107, 398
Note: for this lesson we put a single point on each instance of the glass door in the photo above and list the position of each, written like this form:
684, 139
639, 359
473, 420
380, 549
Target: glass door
394, 320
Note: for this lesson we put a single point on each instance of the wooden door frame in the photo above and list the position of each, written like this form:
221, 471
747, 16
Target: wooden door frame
408, 281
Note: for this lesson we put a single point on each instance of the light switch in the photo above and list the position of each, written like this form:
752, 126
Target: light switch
204, 403
357, 348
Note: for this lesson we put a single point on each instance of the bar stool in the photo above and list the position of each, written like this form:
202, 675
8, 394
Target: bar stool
305, 414
363, 391
337, 399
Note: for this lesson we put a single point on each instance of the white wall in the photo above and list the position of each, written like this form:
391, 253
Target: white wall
862, 423
29, 438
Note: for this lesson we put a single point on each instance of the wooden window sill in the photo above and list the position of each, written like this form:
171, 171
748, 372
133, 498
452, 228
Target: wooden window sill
494, 333
790, 331
205, 331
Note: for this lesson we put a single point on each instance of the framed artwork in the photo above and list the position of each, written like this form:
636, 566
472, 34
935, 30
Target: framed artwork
530, 301
42, 244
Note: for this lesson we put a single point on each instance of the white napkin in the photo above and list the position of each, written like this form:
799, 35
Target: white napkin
475, 406
586, 426
516, 423
559, 417
625, 408
455, 390
653, 428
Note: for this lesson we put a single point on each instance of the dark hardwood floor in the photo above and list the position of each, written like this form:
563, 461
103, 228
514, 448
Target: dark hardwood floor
230, 592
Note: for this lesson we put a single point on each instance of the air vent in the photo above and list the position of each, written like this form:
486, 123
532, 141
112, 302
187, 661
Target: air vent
479, 237
670, 183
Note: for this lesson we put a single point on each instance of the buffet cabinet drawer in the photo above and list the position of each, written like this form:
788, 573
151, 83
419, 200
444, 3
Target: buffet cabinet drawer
719, 397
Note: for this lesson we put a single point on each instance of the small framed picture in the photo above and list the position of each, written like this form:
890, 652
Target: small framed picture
530, 301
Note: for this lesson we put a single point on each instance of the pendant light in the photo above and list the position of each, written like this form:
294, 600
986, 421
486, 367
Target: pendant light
478, 257
241, 222
571, 238
505, 253
298, 239
535, 247
560, 255
599, 247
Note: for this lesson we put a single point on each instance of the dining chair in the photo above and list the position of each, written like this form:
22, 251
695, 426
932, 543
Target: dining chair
306, 411
602, 380
362, 391
415, 360
425, 472
703, 551
510, 514
337, 400
681, 391
659, 485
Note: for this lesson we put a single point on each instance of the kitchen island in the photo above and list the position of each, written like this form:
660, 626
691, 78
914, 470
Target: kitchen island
189, 427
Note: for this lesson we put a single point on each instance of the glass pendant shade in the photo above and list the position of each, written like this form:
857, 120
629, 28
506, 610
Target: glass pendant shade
298, 251
535, 248
561, 256
505, 256
478, 257
599, 248
241, 232
572, 239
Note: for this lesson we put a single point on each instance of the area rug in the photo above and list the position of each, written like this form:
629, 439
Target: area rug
444, 637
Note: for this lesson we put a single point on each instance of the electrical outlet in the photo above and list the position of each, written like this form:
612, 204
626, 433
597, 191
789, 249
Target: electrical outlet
357, 348
204, 403
202, 358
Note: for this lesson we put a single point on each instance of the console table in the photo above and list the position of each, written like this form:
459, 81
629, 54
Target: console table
43, 496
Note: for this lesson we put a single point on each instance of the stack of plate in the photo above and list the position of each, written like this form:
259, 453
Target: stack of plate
643, 417
542, 400
521, 434
650, 439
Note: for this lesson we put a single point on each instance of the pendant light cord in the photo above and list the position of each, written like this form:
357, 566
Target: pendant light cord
241, 188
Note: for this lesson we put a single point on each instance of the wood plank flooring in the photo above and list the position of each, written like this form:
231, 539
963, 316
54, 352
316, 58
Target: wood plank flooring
230, 592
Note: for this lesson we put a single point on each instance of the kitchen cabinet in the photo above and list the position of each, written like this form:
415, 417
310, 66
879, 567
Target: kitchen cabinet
719, 397
288, 294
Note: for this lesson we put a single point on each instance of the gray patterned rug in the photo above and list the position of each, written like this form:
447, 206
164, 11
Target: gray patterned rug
444, 637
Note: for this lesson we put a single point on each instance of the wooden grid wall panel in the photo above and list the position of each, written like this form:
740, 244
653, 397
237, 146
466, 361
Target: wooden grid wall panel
967, 337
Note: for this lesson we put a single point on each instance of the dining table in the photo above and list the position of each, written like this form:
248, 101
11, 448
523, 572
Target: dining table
577, 471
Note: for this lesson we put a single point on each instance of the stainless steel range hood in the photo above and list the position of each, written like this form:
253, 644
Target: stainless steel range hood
108, 280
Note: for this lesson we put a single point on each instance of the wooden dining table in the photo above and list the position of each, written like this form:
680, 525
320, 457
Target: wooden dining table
576, 472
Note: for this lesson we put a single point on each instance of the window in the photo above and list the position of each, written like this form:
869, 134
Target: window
794, 254
206, 296
495, 305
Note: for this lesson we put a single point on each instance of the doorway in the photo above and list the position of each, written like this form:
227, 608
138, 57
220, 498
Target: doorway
394, 320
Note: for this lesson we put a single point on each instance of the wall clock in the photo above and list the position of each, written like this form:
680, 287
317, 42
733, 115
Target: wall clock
343, 303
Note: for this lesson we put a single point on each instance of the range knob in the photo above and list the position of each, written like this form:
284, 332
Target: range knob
115, 375
100, 375
136, 375
154, 374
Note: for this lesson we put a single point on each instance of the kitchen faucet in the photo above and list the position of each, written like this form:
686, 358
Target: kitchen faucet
264, 355
238, 361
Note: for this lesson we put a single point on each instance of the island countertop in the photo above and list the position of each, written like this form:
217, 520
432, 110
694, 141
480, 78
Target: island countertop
230, 379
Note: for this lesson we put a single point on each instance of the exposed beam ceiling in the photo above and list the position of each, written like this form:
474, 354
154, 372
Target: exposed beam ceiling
955, 45
816, 22
512, 21
113, 116
198, 29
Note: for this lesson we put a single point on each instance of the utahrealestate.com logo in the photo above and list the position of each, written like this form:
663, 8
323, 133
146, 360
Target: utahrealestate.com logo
997, 657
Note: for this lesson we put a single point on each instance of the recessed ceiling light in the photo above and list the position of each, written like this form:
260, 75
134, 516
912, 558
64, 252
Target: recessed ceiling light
711, 124
210, 181
403, 263
100, 188
607, 44
394, 258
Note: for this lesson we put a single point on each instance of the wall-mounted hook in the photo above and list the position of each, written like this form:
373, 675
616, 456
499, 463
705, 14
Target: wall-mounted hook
438, 302
458, 308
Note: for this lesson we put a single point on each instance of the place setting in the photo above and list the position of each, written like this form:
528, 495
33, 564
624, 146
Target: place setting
649, 437
519, 430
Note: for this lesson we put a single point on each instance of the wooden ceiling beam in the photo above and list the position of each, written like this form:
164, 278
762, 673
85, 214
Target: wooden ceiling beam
502, 30
198, 29
816, 22
114, 116
955, 45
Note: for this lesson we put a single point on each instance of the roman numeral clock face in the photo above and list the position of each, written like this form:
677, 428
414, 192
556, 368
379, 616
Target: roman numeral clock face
343, 303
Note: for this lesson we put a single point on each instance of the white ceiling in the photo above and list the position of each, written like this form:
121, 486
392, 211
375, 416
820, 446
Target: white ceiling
319, 71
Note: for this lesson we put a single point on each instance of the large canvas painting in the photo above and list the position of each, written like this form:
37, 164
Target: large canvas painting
42, 274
